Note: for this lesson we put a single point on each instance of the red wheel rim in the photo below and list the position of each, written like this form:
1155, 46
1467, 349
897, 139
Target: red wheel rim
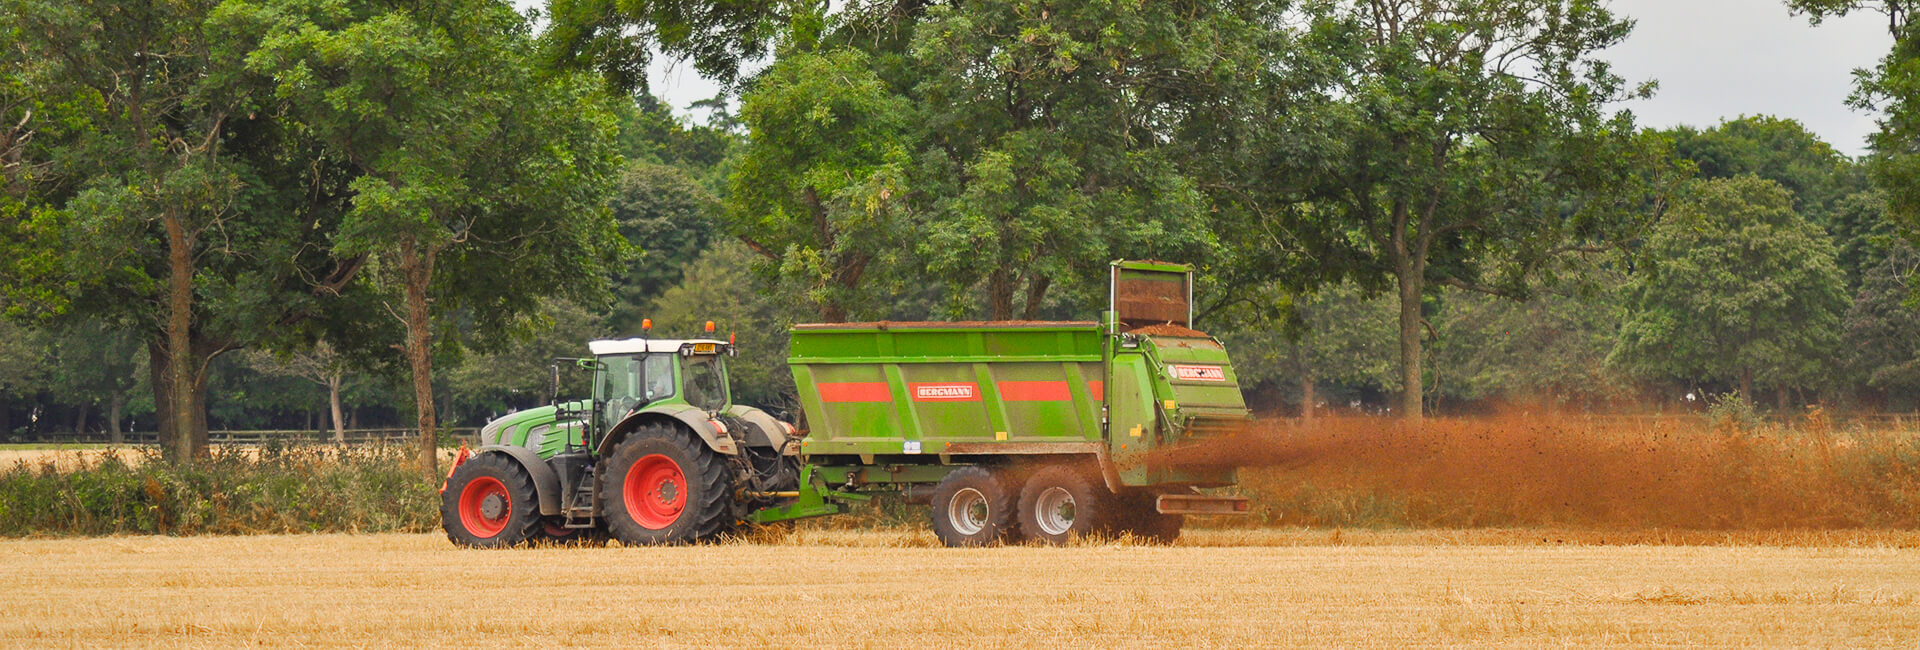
474, 506
655, 491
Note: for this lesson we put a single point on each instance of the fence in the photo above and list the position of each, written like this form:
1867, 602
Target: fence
468, 435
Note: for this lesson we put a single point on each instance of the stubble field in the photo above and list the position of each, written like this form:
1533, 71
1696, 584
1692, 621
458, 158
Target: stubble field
825, 588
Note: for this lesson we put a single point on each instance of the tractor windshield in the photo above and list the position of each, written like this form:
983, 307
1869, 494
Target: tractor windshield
706, 383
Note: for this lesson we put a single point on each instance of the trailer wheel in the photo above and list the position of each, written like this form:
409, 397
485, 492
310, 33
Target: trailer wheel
489, 503
972, 506
1060, 502
663, 487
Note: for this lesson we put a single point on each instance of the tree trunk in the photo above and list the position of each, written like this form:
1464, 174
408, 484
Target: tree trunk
1037, 295
832, 312
116, 408
1000, 294
333, 401
80, 421
1746, 385
1411, 406
1307, 396
162, 381
179, 331
417, 267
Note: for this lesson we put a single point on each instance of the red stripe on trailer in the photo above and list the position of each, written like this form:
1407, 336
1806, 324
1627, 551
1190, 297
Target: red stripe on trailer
1098, 388
855, 391
1034, 391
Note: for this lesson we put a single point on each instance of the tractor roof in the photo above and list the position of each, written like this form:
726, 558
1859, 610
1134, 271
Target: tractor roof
637, 345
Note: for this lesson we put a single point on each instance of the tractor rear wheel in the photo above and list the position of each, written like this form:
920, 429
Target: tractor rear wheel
972, 506
1060, 502
664, 487
489, 503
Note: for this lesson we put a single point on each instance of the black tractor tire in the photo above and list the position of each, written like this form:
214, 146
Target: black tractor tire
663, 486
1061, 502
554, 532
1147, 524
973, 506
489, 502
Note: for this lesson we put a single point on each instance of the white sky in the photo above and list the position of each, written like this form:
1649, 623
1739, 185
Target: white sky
1714, 59
1718, 59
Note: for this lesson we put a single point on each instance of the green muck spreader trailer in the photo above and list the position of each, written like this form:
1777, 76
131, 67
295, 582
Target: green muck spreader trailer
1012, 430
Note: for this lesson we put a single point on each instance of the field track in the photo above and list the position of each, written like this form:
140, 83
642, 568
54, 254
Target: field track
819, 588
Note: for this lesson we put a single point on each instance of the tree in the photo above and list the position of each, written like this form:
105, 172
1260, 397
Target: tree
671, 219
91, 364
1462, 144
1549, 351
818, 188
722, 287
1736, 287
1337, 336
151, 186
1881, 336
1061, 136
619, 37
320, 364
1777, 149
513, 378
478, 179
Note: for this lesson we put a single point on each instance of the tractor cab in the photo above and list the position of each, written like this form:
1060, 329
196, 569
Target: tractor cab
634, 374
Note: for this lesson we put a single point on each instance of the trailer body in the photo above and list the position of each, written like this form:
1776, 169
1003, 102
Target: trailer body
898, 402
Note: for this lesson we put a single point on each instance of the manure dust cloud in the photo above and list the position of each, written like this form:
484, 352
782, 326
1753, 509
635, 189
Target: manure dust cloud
1603, 472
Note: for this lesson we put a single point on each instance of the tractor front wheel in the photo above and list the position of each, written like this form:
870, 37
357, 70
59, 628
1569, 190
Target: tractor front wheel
489, 503
665, 487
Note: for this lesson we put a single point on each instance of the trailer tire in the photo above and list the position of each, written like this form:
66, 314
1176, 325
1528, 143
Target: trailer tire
1060, 502
972, 506
662, 486
489, 503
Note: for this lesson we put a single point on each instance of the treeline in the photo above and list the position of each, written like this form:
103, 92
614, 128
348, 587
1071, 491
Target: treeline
281, 214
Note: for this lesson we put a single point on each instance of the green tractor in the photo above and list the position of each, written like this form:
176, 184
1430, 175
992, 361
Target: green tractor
659, 455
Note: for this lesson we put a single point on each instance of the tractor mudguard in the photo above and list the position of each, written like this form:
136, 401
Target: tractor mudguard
768, 430
695, 419
546, 484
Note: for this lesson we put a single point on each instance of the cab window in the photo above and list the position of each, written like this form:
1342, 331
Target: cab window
705, 388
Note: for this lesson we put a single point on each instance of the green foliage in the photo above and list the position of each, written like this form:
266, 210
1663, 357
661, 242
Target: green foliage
1881, 334
1339, 337
1777, 149
721, 287
1548, 351
1737, 288
1060, 138
817, 187
619, 37
1457, 143
295, 490
516, 377
1732, 411
671, 219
